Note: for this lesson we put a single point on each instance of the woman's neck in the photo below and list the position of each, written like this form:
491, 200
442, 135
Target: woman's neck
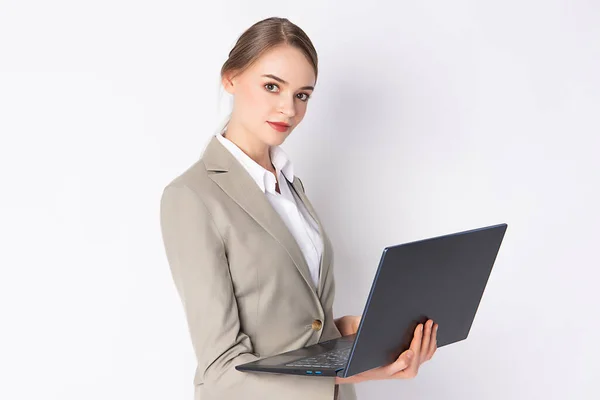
254, 149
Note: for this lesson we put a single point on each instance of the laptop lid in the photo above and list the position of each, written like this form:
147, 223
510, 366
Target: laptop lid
441, 278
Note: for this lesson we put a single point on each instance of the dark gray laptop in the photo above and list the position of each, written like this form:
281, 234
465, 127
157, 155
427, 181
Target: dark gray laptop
441, 278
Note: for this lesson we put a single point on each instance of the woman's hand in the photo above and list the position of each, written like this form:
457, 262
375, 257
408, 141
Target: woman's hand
422, 348
348, 324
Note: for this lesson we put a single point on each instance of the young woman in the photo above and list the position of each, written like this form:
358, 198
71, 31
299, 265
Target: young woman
249, 256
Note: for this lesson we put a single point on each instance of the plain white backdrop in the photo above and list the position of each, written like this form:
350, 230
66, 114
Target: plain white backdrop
429, 117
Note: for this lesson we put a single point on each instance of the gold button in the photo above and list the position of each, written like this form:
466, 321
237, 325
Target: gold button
317, 325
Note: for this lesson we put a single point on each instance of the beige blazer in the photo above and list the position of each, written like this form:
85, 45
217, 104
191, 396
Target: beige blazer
244, 283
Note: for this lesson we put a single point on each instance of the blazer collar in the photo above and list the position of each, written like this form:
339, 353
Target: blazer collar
261, 176
235, 181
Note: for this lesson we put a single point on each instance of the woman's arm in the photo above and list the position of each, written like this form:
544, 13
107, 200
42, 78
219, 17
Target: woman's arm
196, 255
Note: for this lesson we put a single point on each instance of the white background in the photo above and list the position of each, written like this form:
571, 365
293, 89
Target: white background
429, 117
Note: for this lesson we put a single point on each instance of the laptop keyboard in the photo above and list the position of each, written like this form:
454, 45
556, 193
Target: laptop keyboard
331, 359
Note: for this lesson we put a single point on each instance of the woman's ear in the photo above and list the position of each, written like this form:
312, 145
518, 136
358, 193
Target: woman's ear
228, 82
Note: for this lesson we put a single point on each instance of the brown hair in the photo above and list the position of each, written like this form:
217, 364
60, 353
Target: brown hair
263, 36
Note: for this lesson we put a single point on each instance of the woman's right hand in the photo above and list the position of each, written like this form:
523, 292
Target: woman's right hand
406, 366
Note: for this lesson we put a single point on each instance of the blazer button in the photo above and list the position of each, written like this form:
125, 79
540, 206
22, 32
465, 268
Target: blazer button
317, 325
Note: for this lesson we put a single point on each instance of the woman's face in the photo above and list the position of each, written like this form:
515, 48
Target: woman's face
275, 88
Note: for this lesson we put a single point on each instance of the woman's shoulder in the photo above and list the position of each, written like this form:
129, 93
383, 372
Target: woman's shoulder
195, 178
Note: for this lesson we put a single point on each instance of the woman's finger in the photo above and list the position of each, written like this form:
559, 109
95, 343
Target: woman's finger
402, 362
433, 344
426, 340
412, 370
407, 373
415, 344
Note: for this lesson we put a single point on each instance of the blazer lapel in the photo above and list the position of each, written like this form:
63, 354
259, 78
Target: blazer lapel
325, 259
230, 175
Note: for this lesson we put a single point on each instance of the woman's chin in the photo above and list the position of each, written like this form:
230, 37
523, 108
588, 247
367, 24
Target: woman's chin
276, 138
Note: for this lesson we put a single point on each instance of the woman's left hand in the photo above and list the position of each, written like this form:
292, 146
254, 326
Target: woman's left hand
406, 366
422, 348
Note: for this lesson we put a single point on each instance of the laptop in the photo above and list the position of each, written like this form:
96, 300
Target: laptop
441, 278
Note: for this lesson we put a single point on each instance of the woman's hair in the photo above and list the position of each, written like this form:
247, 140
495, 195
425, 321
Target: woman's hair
263, 36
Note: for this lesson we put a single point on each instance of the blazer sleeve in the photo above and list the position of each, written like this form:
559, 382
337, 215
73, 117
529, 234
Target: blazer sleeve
196, 255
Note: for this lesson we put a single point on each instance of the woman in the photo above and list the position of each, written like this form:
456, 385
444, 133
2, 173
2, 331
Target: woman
248, 254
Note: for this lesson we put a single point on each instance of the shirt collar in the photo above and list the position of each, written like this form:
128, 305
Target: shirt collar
263, 178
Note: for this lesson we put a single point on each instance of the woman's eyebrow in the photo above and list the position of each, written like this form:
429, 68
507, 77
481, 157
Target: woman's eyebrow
278, 79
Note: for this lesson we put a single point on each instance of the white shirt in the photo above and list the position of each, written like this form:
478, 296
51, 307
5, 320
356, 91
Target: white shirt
287, 204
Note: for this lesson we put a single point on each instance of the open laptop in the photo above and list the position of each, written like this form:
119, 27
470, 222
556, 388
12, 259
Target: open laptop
441, 278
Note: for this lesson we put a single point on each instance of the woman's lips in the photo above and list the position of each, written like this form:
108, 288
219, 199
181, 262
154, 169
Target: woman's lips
278, 127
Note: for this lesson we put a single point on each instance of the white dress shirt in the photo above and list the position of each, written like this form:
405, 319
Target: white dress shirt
287, 204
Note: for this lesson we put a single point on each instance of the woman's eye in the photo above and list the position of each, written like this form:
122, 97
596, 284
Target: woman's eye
306, 96
268, 85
